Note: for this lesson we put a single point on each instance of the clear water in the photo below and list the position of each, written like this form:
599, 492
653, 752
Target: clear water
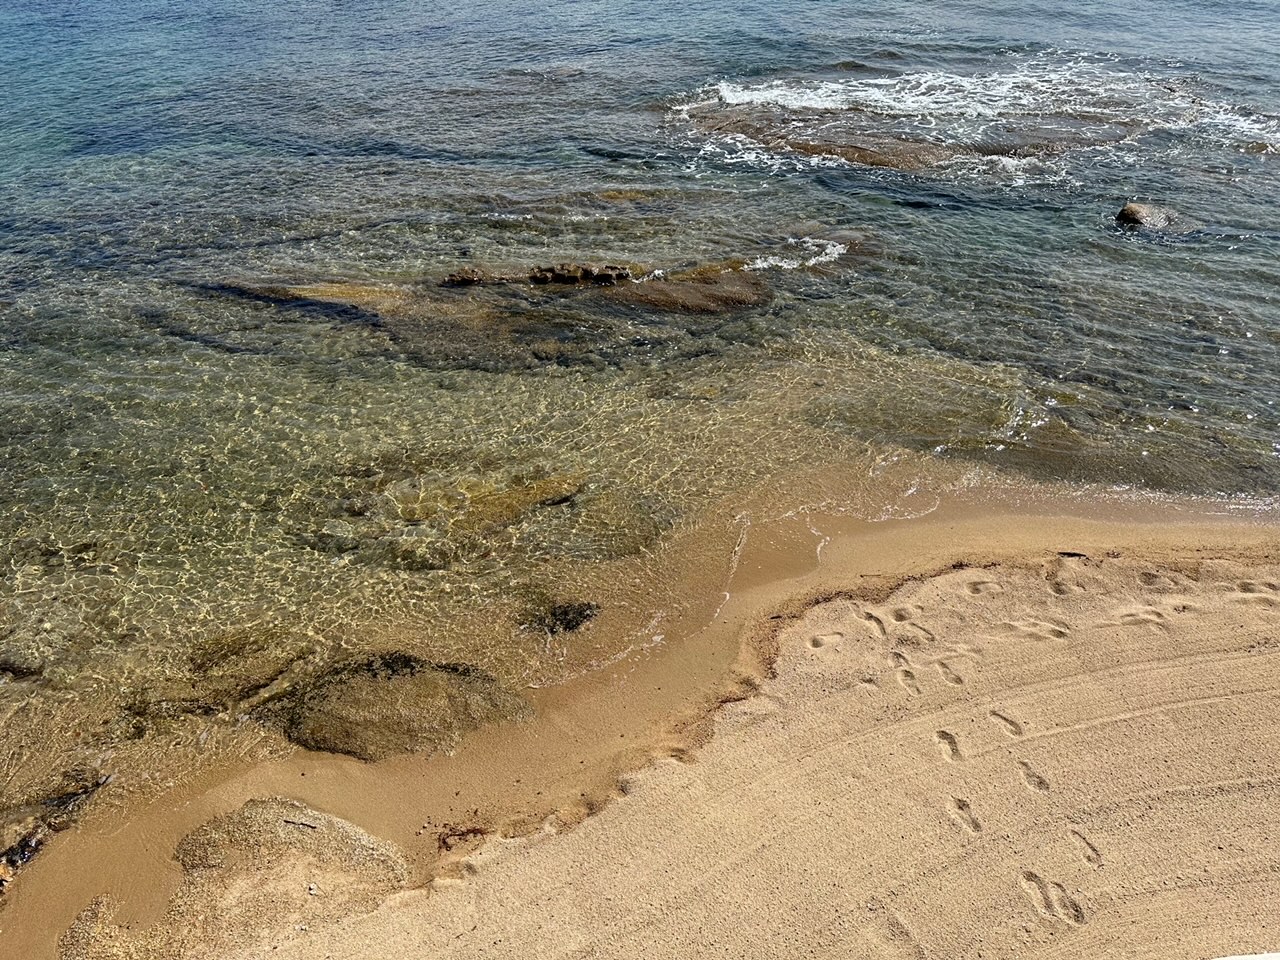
187, 468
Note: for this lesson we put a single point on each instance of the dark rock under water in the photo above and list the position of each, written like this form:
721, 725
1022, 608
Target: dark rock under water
392, 703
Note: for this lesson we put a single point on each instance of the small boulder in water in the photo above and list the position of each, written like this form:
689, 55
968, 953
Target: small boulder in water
1147, 215
394, 703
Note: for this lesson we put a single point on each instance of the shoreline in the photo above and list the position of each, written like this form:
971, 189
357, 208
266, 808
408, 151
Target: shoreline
592, 733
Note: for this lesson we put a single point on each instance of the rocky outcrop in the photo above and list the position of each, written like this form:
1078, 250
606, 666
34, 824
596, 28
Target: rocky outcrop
1150, 216
564, 274
393, 703
874, 138
559, 315
715, 288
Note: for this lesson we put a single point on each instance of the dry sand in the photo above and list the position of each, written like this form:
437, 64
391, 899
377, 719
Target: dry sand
1051, 755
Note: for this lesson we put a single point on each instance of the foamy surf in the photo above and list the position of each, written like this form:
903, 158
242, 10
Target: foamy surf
813, 253
1024, 106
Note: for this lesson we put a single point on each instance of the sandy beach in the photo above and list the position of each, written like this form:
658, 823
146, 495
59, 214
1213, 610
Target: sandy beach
986, 733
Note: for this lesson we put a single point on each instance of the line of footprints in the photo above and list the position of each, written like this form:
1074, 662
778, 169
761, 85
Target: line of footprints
1049, 897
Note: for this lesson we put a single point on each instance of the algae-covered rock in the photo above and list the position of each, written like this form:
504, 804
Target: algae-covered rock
395, 703
417, 522
546, 612
226, 671
715, 288
579, 274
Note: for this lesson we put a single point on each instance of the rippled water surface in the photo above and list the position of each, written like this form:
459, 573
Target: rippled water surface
249, 440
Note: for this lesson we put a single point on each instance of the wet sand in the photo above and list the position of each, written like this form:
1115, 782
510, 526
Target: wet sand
987, 732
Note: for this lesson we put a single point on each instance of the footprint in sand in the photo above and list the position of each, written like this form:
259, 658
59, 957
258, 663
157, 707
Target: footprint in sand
1159, 580
1261, 593
948, 674
1036, 630
1032, 779
822, 640
922, 631
875, 621
979, 587
1051, 899
962, 813
1010, 726
1059, 574
1090, 853
1144, 617
950, 745
906, 676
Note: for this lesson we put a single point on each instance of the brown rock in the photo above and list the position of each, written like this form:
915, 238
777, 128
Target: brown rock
468, 277
1147, 215
396, 703
580, 274
717, 288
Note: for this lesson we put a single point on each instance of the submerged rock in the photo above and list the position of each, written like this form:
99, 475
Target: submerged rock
716, 288
417, 522
395, 703
1150, 216
227, 671
567, 274
543, 611
26, 827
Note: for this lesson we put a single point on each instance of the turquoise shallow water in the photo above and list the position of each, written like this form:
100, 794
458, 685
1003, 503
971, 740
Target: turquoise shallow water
191, 473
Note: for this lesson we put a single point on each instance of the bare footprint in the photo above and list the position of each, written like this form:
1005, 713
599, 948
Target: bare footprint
1257, 593
978, 587
950, 745
949, 674
1156, 579
825, 640
1144, 617
923, 631
1051, 899
906, 676
1033, 779
962, 813
1036, 630
1257, 587
1010, 726
1091, 853
875, 621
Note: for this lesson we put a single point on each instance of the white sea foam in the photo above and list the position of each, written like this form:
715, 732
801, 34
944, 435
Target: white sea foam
813, 252
1049, 98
